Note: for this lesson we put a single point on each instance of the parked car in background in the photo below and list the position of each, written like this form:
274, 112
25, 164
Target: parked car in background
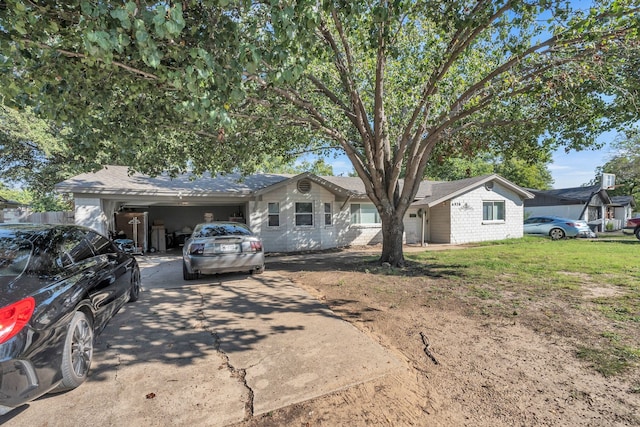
59, 286
633, 224
221, 247
557, 228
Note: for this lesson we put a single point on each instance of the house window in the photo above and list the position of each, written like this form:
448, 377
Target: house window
274, 214
328, 214
364, 214
304, 214
493, 211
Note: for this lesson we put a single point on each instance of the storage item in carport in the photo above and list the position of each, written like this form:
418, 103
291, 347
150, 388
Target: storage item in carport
158, 240
125, 245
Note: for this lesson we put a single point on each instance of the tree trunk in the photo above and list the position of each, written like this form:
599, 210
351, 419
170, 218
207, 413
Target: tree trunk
392, 233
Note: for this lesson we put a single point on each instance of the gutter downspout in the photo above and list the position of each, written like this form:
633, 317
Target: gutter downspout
423, 229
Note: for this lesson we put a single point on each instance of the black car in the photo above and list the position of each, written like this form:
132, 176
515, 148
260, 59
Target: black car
59, 286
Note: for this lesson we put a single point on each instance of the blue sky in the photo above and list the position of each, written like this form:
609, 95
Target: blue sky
577, 167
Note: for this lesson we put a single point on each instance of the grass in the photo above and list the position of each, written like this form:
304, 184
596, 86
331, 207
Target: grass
588, 277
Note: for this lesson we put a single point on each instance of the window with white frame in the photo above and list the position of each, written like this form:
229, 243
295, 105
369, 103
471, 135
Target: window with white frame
364, 214
493, 211
274, 214
328, 214
304, 214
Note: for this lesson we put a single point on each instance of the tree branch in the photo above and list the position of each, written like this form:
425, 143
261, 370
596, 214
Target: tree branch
70, 54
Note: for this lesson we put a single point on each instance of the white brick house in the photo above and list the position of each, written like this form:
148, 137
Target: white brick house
292, 213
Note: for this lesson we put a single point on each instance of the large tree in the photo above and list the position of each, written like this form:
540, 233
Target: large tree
215, 84
35, 154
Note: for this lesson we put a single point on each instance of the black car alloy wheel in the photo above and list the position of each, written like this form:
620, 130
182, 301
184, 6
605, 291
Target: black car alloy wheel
134, 291
78, 352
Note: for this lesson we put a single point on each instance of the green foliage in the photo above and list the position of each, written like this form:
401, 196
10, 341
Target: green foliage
520, 172
317, 167
625, 165
20, 196
36, 201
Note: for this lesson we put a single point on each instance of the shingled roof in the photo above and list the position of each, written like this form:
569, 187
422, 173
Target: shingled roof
445, 190
574, 194
116, 180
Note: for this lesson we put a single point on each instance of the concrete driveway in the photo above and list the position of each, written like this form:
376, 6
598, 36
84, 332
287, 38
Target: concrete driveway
211, 352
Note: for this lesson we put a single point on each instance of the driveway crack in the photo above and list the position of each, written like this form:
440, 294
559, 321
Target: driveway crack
240, 374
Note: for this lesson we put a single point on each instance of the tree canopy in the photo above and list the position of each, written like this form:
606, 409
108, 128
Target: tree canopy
625, 165
526, 174
215, 84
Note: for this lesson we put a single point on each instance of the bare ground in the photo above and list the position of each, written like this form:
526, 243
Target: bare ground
464, 365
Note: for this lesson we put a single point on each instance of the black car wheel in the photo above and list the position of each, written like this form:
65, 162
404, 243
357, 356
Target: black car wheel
258, 270
186, 275
134, 291
77, 353
557, 234
638, 233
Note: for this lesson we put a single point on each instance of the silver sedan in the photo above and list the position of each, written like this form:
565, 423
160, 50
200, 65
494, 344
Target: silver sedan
221, 247
557, 228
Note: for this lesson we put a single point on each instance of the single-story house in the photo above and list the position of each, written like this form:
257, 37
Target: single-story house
620, 210
6, 204
592, 204
290, 212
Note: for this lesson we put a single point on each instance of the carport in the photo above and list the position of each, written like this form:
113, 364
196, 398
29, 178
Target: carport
166, 208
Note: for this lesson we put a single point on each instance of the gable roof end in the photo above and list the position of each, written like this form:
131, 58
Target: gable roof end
443, 191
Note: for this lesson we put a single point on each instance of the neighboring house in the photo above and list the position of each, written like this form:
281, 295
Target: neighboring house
290, 212
6, 204
620, 210
592, 204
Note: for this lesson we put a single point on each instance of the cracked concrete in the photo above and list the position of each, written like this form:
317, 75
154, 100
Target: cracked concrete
211, 352
238, 373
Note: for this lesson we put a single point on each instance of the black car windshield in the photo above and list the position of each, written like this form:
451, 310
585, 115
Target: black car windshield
215, 230
14, 256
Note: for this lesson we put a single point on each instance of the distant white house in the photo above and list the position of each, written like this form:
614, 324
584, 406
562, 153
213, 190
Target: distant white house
592, 204
290, 212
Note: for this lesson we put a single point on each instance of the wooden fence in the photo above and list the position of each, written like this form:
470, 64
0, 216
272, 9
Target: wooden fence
24, 216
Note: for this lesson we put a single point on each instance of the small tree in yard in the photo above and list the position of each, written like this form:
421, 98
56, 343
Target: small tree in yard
214, 85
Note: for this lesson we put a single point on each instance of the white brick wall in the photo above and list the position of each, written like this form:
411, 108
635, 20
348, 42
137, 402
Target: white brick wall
288, 237
466, 216
456, 221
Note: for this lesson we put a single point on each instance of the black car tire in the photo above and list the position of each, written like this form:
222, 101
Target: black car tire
77, 352
556, 234
258, 270
134, 291
638, 233
186, 275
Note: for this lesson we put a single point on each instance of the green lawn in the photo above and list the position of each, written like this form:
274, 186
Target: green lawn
567, 282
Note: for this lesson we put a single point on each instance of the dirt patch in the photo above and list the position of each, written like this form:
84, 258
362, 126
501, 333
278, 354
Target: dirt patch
516, 368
